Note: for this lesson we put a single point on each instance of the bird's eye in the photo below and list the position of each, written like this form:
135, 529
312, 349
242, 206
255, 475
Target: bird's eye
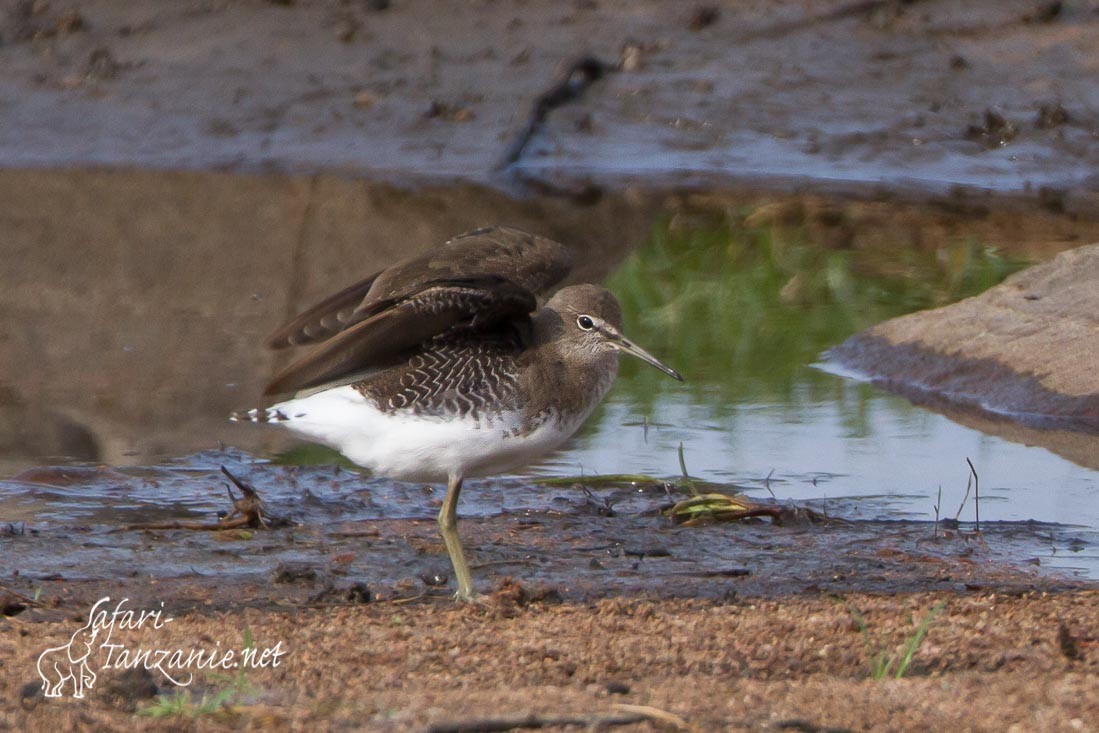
585, 322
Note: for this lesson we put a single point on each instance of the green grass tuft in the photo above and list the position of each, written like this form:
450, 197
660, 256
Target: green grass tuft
882, 661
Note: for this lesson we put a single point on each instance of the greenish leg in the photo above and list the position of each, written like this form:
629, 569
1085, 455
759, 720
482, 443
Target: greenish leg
448, 528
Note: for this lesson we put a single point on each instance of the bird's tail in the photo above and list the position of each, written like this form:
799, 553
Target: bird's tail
259, 414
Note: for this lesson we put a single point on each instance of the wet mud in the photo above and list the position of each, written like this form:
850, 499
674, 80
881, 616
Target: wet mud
74, 532
923, 96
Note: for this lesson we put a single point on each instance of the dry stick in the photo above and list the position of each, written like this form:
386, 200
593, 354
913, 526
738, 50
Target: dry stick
27, 599
968, 486
498, 563
860, 7
938, 503
655, 714
578, 76
250, 508
767, 484
514, 722
237, 523
686, 476
976, 495
249, 505
627, 715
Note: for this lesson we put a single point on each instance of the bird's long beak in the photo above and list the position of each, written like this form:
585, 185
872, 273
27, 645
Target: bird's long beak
624, 344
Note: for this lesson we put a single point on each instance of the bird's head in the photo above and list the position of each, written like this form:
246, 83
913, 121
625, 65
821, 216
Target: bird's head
591, 323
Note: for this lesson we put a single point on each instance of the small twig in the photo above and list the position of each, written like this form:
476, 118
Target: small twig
968, 486
249, 505
976, 495
778, 30
577, 77
938, 503
26, 599
514, 722
497, 563
686, 476
626, 715
654, 713
412, 599
222, 524
248, 512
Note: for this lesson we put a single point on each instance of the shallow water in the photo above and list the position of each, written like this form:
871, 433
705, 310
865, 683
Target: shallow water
745, 312
763, 402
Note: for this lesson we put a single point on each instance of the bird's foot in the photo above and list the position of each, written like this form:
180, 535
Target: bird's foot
468, 595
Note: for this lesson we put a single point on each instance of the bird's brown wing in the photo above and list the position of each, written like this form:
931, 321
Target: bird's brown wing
474, 282
401, 325
533, 262
528, 260
325, 319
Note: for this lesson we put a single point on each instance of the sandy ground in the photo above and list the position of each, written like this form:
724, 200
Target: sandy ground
1027, 661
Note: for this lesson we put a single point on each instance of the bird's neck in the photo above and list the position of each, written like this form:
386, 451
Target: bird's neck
560, 386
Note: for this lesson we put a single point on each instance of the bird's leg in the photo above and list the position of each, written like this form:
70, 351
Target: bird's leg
448, 528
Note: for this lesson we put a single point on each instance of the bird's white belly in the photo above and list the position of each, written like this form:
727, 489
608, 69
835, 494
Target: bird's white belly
410, 447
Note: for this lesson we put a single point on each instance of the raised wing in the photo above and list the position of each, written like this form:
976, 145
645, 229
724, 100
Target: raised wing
477, 281
530, 261
325, 319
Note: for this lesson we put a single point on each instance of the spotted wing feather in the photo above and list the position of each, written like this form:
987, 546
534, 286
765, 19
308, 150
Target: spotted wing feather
398, 327
466, 373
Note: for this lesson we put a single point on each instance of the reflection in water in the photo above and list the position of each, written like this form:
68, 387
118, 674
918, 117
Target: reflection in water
743, 309
745, 314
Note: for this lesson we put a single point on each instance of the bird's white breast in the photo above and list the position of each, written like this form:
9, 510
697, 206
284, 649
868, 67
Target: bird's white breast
411, 447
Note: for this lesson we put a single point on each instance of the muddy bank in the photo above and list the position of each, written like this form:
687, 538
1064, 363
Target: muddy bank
1024, 349
69, 530
989, 662
924, 96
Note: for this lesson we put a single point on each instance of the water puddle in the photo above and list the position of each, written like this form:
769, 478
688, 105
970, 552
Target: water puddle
744, 310
745, 315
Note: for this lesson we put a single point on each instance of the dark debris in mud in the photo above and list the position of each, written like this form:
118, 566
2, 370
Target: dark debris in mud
578, 75
249, 512
994, 131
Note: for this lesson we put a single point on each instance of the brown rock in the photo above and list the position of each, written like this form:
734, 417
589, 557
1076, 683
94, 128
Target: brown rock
1027, 348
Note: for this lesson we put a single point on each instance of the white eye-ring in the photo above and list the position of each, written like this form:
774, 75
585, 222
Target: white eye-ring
585, 322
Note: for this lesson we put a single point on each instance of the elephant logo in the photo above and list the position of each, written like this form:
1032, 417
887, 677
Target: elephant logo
69, 662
